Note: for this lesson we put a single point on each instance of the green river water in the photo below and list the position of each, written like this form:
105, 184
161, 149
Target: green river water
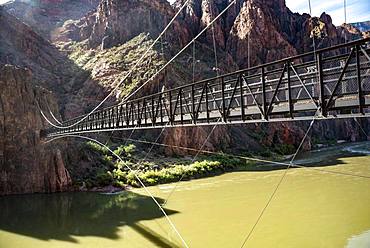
310, 209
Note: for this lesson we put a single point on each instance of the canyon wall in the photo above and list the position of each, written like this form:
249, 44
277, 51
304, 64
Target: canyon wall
26, 164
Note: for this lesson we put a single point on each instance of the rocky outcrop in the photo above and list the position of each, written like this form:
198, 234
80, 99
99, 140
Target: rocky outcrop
204, 138
255, 27
26, 164
116, 22
268, 30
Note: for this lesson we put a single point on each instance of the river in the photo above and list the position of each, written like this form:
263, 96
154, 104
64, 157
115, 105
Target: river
311, 209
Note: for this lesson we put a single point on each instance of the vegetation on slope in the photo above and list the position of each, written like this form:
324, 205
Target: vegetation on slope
107, 67
110, 171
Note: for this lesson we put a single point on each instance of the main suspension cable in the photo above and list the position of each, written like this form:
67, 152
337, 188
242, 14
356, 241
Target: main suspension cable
214, 43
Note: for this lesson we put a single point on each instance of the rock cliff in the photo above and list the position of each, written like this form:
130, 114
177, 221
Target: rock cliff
26, 164
116, 22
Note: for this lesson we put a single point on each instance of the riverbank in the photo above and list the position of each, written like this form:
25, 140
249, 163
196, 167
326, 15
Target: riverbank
107, 174
111, 175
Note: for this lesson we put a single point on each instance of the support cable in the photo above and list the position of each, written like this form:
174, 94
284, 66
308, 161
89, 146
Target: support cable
194, 158
292, 160
214, 126
51, 113
279, 183
214, 42
139, 180
361, 128
217, 73
180, 52
129, 73
345, 20
194, 62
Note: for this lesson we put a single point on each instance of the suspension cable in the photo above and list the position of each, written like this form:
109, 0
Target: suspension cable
213, 128
298, 149
194, 158
361, 128
214, 42
313, 37
280, 182
179, 53
130, 72
51, 113
345, 20
345, 11
194, 47
138, 178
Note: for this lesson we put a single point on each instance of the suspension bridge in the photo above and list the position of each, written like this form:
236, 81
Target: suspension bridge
329, 83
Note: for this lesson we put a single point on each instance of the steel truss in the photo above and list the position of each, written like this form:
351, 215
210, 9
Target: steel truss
335, 81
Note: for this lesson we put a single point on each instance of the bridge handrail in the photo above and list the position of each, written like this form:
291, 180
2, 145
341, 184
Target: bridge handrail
295, 57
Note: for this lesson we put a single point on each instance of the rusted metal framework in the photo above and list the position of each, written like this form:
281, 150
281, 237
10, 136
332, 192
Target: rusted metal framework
330, 83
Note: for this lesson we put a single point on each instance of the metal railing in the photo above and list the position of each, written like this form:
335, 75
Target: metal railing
334, 81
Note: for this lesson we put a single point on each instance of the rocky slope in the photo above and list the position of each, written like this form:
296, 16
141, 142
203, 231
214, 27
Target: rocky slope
26, 164
116, 22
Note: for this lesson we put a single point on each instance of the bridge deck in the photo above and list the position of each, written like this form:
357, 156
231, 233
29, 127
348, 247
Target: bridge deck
331, 83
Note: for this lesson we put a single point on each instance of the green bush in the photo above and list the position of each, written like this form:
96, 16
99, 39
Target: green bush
97, 148
126, 151
104, 178
130, 149
228, 162
174, 173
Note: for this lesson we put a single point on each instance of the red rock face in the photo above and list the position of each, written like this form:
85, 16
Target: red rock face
26, 165
116, 22
272, 31
256, 26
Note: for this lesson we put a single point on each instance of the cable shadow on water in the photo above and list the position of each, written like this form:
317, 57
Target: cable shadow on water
65, 216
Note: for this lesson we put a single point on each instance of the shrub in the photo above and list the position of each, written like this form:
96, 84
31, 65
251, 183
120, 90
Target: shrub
130, 149
125, 150
97, 148
174, 173
104, 178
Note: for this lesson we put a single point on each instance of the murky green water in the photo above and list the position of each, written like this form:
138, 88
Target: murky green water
311, 209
